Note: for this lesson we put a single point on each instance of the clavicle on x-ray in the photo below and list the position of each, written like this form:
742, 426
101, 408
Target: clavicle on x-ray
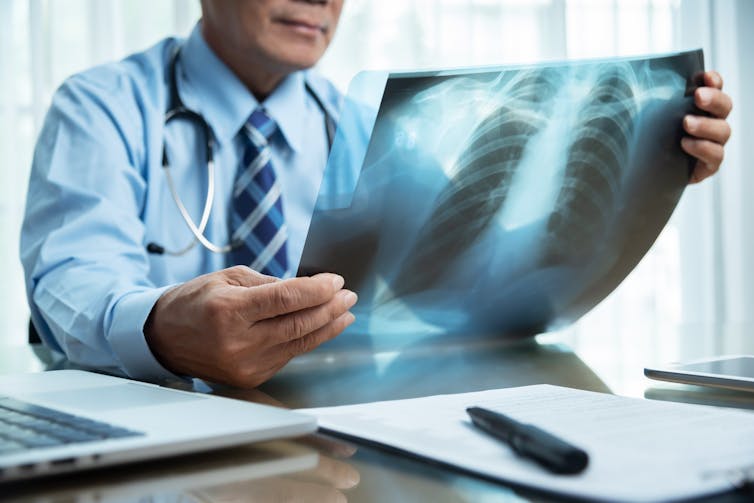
499, 201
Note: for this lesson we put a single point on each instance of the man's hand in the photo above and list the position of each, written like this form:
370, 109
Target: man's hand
239, 327
708, 134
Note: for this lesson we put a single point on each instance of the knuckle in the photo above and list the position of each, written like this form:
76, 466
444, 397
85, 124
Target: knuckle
285, 297
298, 326
236, 274
312, 342
239, 269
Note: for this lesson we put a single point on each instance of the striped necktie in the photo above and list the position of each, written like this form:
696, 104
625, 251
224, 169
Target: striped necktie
257, 222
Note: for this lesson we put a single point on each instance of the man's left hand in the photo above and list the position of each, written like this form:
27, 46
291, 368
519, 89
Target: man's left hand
708, 134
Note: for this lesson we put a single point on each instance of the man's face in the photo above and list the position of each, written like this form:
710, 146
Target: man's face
286, 35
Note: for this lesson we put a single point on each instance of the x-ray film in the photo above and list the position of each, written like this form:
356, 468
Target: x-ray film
499, 201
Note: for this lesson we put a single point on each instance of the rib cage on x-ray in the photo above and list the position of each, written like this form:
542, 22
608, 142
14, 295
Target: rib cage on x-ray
593, 168
500, 201
479, 186
485, 171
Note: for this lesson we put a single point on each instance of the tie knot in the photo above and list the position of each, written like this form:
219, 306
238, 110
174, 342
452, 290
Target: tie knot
263, 123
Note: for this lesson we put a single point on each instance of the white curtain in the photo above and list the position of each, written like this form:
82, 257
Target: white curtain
697, 272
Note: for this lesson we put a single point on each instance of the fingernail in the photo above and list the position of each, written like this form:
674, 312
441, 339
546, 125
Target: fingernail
338, 281
705, 95
349, 298
691, 123
351, 479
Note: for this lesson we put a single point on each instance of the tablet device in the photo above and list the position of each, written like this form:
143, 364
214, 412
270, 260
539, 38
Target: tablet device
733, 372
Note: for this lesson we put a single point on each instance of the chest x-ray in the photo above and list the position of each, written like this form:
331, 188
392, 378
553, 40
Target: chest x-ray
503, 201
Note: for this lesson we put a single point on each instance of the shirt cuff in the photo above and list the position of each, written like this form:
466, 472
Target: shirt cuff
126, 336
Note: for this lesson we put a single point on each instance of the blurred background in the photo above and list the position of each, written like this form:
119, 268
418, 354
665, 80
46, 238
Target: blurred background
698, 272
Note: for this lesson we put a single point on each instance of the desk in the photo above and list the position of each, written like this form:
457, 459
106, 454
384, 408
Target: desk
359, 473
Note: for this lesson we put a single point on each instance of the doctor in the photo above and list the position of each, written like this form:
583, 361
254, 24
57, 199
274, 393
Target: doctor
158, 180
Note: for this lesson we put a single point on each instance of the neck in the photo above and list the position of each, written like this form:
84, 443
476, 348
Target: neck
259, 77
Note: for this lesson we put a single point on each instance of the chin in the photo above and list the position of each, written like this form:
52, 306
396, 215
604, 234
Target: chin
298, 58
302, 63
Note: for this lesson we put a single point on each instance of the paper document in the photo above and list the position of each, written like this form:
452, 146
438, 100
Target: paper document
639, 450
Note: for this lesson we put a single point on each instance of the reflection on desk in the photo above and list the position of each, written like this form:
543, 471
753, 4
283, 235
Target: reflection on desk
343, 472
688, 393
339, 379
267, 469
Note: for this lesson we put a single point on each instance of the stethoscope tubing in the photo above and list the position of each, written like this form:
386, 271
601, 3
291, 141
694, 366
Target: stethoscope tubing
178, 111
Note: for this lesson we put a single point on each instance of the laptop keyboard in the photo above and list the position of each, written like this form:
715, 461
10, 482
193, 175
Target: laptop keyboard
27, 426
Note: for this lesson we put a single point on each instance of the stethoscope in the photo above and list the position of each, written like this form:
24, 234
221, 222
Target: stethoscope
178, 111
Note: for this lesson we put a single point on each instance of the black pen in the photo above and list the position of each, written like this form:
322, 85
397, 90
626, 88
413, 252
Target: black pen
527, 440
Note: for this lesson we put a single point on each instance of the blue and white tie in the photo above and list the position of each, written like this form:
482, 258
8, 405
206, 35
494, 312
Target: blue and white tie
257, 221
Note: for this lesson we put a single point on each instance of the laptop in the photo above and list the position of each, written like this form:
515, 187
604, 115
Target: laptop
68, 420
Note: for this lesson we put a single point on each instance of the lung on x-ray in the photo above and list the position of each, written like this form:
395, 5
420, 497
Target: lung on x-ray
499, 201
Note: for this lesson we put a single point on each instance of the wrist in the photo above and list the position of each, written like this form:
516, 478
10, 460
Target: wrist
157, 336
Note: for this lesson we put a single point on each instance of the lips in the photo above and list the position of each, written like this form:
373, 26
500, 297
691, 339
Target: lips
305, 26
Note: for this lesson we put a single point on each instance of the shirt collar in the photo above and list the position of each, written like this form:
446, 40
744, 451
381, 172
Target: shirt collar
286, 105
207, 86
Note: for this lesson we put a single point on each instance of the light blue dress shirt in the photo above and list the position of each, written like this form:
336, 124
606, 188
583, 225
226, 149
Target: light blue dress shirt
97, 193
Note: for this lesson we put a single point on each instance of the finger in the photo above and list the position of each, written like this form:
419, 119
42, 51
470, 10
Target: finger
706, 128
291, 326
271, 489
314, 339
709, 152
249, 395
329, 446
702, 171
276, 357
713, 79
713, 101
332, 472
290, 295
694, 178
241, 275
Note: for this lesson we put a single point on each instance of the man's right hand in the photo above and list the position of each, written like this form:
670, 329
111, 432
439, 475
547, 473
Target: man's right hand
239, 327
